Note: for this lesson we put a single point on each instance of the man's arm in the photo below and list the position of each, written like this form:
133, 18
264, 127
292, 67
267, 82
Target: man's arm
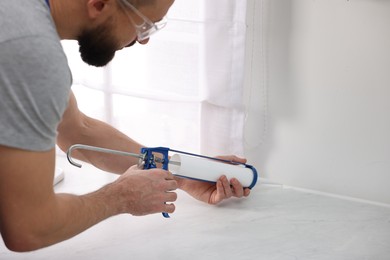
33, 216
77, 128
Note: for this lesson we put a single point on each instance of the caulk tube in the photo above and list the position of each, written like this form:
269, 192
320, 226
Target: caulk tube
210, 170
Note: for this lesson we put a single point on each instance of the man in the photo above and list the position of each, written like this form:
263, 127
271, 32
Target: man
38, 110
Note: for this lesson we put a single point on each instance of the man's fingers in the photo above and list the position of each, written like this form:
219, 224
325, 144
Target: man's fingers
237, 188
247, 191
171, 196
232, 158
226, 187
169, 208
169, 175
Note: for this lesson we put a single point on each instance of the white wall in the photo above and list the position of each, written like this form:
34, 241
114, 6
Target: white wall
318, 95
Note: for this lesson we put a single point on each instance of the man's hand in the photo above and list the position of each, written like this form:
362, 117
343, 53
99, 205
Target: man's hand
215, 193
142, 192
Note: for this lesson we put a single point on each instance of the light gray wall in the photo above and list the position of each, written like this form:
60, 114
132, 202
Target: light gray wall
318, 95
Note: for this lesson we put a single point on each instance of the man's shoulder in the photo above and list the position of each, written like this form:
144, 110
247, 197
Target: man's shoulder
25, 18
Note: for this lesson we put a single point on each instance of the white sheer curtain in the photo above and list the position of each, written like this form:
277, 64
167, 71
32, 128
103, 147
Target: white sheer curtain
184, 89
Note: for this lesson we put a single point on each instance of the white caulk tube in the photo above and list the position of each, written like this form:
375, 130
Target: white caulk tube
210, 170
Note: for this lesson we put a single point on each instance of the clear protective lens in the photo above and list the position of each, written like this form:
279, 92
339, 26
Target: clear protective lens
147, 28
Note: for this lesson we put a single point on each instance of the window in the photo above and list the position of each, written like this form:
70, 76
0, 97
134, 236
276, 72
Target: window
182, 90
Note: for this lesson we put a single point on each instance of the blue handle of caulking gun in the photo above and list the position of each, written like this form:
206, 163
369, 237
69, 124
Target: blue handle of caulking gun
150, 162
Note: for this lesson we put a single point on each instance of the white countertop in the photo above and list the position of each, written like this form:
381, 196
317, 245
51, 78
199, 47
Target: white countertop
274, 223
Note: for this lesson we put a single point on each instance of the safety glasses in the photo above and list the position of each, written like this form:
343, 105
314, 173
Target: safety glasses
147, 28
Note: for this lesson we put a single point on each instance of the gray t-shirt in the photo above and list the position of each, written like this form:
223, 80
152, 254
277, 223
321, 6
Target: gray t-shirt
35, 78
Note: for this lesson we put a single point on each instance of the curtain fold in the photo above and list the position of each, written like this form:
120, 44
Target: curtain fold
184, 89
223, 52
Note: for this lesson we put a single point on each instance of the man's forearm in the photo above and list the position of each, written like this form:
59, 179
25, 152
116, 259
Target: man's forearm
100, 134
60, 217
78, 213
77, 128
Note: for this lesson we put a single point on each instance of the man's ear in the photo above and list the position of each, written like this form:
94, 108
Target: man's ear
96, 7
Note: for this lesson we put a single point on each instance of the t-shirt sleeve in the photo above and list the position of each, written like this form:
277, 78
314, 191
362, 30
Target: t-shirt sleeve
35, 82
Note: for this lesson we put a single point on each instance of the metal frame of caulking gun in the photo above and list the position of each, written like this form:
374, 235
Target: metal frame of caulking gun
148, 160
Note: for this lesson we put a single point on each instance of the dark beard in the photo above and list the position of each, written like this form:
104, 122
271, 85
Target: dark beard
96, 46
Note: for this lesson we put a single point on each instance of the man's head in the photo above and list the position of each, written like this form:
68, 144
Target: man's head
118, 24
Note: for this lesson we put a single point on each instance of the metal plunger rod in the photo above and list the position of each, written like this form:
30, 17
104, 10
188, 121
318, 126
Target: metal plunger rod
97, 149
